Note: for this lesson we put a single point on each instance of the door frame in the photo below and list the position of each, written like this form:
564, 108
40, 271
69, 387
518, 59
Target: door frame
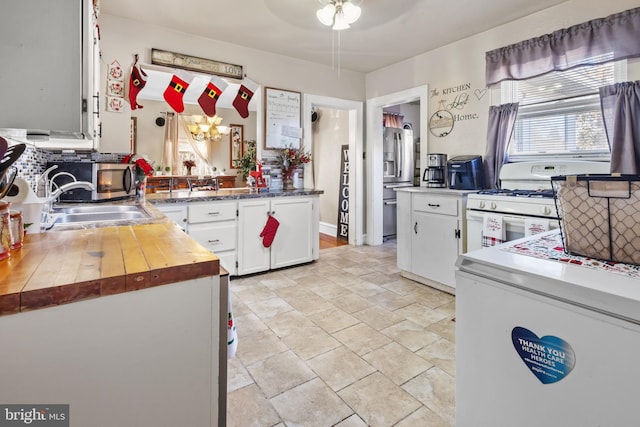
374, 151
355, 111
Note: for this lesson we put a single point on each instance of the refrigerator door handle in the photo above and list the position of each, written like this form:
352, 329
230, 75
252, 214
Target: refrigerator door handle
400, 155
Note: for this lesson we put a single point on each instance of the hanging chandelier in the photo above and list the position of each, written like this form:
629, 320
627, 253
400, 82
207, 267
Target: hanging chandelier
339, 14
206, 128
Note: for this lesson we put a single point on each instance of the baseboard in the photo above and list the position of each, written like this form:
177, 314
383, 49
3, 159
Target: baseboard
330, 229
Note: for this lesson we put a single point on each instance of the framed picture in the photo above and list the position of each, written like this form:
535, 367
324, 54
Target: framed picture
133, 134
282, 118
236, 138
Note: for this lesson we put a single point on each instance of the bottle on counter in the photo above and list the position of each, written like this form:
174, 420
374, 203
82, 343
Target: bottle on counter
5, 231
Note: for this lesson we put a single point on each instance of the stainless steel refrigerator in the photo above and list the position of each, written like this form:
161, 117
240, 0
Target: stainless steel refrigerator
398, 171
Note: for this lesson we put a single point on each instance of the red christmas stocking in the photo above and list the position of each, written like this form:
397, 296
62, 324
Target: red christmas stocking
269, 231
136, 82
245, 93
210, 95
174, 93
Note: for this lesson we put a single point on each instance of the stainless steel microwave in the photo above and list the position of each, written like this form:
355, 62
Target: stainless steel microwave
112, 180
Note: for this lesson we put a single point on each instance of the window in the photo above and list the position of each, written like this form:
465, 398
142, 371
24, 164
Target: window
559, 113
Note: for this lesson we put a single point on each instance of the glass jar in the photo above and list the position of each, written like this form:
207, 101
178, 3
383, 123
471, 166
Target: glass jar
17, 229
5, 231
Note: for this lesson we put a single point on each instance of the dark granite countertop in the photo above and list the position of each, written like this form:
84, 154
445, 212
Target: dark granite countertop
186, 196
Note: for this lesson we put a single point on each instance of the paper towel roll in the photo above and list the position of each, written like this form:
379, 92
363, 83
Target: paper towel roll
19, 192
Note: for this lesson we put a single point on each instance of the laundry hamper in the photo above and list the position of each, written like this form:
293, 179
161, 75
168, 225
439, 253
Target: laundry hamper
599, 216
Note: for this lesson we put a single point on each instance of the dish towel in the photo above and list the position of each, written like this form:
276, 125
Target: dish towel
535, 225
232, 335
493, 231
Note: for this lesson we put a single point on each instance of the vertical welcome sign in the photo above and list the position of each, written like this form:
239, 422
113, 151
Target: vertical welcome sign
343, 195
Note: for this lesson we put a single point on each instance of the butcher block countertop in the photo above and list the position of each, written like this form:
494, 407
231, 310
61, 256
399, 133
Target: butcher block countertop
61, 267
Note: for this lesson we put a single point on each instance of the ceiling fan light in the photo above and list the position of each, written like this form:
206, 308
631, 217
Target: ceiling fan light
351, 12
340, 23
325, 15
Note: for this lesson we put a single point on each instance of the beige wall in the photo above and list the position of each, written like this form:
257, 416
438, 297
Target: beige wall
462, 63
122, 38
330, 132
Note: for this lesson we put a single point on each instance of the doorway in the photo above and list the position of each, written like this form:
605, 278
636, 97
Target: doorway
374, 152
348, 117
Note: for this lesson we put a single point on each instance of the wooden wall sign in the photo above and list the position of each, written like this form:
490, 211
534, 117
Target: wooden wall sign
343, 195
193, 63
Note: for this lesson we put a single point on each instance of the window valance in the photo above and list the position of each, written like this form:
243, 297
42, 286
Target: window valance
594, 42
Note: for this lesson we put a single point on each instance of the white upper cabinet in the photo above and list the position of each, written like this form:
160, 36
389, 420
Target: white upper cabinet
49, 53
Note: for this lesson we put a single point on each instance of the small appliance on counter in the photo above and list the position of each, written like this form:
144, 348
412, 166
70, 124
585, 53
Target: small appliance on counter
465, 173
436, 173
112, 180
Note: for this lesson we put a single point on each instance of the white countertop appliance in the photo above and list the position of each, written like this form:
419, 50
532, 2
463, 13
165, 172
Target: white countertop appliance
545, 337
525, 200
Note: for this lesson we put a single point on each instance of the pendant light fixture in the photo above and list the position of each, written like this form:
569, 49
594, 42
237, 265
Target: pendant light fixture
339, 14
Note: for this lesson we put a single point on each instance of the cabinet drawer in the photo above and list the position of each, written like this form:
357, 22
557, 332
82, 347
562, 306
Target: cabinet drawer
435, 204
209, 212
215, 237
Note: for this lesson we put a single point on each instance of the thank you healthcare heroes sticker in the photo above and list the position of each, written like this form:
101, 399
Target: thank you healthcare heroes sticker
34, 415
549, 358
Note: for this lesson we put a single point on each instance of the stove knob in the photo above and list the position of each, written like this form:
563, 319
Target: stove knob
482, 204
493, 205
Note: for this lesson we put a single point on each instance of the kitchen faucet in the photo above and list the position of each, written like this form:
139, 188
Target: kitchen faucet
44, 180
86, 185
53, 178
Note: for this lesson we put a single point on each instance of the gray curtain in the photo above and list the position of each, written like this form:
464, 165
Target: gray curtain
621, 112
594, 42
501, 121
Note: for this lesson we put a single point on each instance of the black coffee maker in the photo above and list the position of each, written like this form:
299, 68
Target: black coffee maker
465, 173
435, 174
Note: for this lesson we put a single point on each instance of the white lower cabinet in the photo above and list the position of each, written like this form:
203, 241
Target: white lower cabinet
231, 229
430, 236
297, 238
214, 225
176, 213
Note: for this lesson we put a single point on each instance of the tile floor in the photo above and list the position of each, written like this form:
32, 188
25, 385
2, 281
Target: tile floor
344, 342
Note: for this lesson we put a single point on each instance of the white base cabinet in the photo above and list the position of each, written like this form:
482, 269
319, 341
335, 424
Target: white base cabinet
215, 225
297, 238
176, 213
430, 235
146, 358
231, 230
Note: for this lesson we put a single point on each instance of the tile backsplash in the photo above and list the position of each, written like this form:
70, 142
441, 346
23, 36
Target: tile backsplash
33, 162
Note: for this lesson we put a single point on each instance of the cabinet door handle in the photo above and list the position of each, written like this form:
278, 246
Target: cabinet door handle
214, 242
214, 213
415, 227
431, 205
271, 213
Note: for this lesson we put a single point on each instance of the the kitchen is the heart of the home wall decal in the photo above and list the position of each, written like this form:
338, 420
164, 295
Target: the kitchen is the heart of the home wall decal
549, 358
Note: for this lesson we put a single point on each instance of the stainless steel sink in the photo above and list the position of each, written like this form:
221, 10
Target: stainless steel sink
99, 217
97, 214
88, 209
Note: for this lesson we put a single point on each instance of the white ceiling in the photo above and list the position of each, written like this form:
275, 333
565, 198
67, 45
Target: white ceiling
388, 31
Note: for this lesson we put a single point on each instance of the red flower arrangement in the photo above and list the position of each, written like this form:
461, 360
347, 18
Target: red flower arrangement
189, 164
291, 158
143, 167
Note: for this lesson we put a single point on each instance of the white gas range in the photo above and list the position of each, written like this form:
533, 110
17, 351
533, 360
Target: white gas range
526, 197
